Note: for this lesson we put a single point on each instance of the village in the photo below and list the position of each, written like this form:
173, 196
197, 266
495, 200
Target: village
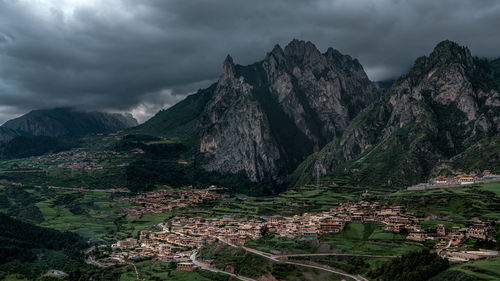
180, 235
75, 160
165, 200
456, 181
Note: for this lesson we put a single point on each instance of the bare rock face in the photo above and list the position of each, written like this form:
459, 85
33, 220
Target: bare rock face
434, 112
265, 118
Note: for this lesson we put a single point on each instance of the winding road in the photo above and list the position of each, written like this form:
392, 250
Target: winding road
203, 266
355, 277
334, 254
276, 259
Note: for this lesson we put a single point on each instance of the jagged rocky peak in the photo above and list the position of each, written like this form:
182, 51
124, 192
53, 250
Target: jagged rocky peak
265, 118
228, 69
277, 55
445, 53
346, 62
449, 51
303, 52
434, 112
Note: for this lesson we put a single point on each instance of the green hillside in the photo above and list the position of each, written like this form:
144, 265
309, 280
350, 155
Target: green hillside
179, 122
30, 251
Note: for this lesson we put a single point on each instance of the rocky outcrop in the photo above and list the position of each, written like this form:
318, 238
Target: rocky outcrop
264, 119
68, 121
434, 112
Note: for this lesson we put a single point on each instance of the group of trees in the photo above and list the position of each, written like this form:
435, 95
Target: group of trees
20, 204
70, 201
144, 174
414, 266
153, 147
22, 244
26, 146
160, 165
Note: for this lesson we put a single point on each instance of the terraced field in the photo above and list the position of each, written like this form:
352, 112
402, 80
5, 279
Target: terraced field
483, 270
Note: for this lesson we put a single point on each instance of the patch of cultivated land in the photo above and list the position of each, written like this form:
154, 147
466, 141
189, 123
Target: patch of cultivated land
248, 264
356, 238
290, 203
367, 238
151, 270
456, 203
352, 265
483, 269
90, 214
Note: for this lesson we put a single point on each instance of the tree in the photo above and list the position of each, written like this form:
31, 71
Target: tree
264, 231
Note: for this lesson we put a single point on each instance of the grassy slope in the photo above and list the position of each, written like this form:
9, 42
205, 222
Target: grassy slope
179, 121
357, 238
292, 202
483, 155
255, 266
456, 203
150, 270
483, 269
365, 238
32, 250
100, 220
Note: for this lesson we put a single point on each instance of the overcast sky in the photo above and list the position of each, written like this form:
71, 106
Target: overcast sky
144, 55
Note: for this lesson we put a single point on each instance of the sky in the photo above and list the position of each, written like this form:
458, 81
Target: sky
141, 56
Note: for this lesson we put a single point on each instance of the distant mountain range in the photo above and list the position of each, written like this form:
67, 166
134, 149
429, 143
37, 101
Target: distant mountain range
68, 121
298, 110
64, 121
41, 131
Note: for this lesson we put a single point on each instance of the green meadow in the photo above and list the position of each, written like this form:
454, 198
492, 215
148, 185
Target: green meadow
483, 270
356, 238
90, 214
460, 203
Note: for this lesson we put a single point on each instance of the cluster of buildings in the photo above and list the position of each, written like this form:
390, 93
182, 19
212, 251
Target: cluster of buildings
75, 160
456, 181
180, 235
165, 200
450, 241
164, 246
454, 236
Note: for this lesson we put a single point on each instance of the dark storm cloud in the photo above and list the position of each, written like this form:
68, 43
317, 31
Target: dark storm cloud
144, 55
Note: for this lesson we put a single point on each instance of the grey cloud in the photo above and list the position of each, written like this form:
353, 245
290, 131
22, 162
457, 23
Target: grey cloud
144, 55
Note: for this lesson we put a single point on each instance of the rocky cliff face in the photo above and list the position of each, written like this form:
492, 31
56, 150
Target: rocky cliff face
265, 118
431, 114
67, 121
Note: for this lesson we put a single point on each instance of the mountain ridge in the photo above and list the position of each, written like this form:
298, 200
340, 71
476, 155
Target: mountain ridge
69, 121
431, 114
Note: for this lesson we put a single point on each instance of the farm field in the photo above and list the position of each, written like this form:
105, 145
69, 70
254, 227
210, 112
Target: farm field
456, 203
356, 238
90, 214
483, 269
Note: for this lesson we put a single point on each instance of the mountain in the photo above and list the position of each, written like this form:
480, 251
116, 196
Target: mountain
265, 118
68, 121
7, 134
444, 111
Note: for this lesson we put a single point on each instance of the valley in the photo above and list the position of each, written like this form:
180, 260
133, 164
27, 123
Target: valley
104, 218
295, 167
